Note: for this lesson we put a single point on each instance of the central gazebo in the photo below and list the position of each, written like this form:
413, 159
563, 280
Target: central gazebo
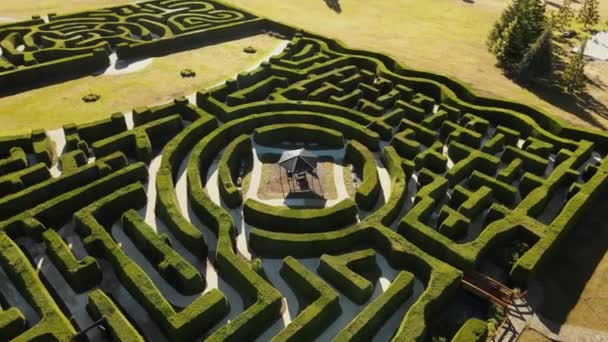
300, 165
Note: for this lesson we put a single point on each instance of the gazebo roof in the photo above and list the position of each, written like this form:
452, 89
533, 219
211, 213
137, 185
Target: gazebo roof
298, 160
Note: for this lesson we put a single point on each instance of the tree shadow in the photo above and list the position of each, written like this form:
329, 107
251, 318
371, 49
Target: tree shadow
334, 5
562, 279
554, 4
583, 105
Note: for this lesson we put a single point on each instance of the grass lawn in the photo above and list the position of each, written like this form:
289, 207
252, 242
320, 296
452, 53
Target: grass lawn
160, 81
443, 36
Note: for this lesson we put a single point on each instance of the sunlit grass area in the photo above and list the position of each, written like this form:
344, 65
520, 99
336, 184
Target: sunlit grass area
160, 81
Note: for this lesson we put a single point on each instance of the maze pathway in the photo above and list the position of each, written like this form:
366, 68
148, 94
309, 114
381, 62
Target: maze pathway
148, 224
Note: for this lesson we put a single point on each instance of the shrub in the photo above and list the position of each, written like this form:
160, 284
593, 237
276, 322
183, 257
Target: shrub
157, 248
341, 271
284, 219
236, 155
369, 189
249, 49
187, 73
324, 307
101, 306
91, 98
312, 135
80, 274
367, 323
473, 330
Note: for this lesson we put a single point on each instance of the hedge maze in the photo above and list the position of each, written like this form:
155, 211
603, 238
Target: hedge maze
143, 224
60, 46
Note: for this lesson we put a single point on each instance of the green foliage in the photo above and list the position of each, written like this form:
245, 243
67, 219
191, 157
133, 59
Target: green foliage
573, 78
473, 330
319, 303
277, 135
370, 320
538, 59
80, 274
589, 14
236, 155
564, 15
100, 305
285, 219
518, 28
346, 272
176, 270
369, 189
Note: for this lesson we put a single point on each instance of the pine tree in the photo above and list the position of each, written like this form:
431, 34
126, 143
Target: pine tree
573, 77
536, 14
538, 59
507, 16
589, 13
519, 26
503, 46
565, 14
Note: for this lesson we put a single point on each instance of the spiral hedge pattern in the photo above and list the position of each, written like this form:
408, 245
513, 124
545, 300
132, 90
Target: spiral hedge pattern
145, 222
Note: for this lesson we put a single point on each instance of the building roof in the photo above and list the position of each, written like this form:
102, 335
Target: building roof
297, 161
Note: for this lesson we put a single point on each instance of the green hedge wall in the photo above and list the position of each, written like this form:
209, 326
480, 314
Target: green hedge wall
238, 153
100, 305
369, 189
342, 272
324, 307
157, 249
284, 219
369, 321
199, 316
275, 135
83, 274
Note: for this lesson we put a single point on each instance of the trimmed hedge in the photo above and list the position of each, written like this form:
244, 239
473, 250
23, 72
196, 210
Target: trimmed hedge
238, 153
72, 160
473, 330
189, 323
19, 180
157, 249
83, 274
53, 324
313, 318
17, 160
369, 321
139, 142
100, 305
500, 191
313, 136
12, 323
53, 188
341, 271
167, 206
284, 219
363, 160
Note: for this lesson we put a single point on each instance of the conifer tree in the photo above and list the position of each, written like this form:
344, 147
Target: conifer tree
503, 46
565, 14
518, 28
573, 77
589, 14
